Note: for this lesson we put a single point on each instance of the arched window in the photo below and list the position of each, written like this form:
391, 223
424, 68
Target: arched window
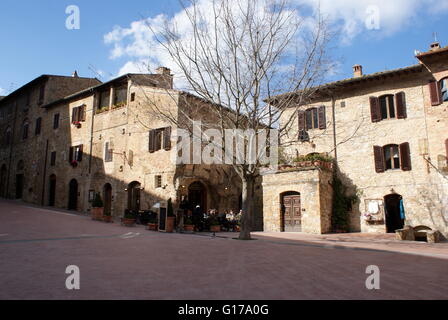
444, 89
25, 129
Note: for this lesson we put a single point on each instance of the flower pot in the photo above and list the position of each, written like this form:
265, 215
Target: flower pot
127, 222
188, 227
169, 224
215, 228
97, 213
107, 219
237, 229
152, 226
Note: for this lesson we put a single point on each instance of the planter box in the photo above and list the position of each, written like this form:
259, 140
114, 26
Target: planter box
127, 222
107, 219
153, 226
188, 227
215, 228
169, 224
97, 213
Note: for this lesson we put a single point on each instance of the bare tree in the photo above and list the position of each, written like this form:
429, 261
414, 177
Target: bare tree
239, 57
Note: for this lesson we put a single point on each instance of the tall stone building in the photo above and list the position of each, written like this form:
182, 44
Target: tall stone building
388, 135
87, 137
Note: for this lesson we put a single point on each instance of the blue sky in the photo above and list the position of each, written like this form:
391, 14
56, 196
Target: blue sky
35, 40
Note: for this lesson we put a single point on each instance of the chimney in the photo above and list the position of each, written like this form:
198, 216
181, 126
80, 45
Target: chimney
75, 74
434, 46
163, 71
167, 77
357, 71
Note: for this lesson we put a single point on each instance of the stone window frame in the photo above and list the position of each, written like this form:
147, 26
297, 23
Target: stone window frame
158, 181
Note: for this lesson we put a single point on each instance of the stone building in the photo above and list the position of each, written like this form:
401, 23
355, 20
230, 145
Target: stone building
388, 135
107, 138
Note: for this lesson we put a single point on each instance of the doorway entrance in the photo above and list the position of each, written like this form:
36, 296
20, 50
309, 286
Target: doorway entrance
197, 195
52, 191
291, 212
19, 186
392, 211
107, 196
73, 195
134, 196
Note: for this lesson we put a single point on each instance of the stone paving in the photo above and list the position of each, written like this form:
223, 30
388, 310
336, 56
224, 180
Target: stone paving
37, 244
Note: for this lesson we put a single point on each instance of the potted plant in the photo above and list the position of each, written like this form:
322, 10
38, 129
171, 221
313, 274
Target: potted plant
153, 223
188, 224
129, 218
107, 217
74, 163
77, 124
214, 224
170, 217
97, 207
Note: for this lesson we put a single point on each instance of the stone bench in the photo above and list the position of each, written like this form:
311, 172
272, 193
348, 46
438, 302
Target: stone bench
409, 234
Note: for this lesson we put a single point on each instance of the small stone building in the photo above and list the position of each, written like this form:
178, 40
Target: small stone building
388, 135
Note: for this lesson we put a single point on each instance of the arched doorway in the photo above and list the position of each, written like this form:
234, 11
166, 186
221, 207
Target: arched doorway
52, 191
134, 196
73, 195
197, 195
107, 196
392, 205
291, 212
3, 177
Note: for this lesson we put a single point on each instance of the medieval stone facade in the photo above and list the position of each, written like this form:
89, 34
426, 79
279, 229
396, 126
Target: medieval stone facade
388, 135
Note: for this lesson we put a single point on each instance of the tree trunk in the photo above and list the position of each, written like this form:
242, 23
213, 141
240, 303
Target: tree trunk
248, 207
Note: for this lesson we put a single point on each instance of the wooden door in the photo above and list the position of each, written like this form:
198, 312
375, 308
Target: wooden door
292, 216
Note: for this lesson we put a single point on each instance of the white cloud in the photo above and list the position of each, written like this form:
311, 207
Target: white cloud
2, 92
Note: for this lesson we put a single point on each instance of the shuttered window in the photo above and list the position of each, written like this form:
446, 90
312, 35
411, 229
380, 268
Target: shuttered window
400, 101
375, 111
444, 89
159, 138
25, 128
108, 152
435, 94
75, 153
79, 114
56, 121
53, 158
388, 107
392, 157
158, 181
322, 118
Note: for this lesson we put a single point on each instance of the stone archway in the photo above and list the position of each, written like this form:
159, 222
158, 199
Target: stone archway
134, 196
290, 212
107, 196
197, 195
392, 204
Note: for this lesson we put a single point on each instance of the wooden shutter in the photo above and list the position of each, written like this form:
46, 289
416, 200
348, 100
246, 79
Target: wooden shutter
70, 154
82, 116
80, 153
434, 92
56, 121
379, 159
75, 114
405, 157
152, 134
322, 118
167, 138
38, 126
301, 116
400, 102
375, 110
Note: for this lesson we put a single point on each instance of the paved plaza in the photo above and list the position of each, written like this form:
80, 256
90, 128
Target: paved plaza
116, 262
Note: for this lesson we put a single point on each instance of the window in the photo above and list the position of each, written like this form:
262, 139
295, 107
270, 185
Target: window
75, 154
388, 107
38, 128
120, 96
78, 114
56, 121
313, 118
133, 96
444, 89
8, 135
392, 157
53, 158
159, 138
158, 181
108, 152
104, 100
25, 128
